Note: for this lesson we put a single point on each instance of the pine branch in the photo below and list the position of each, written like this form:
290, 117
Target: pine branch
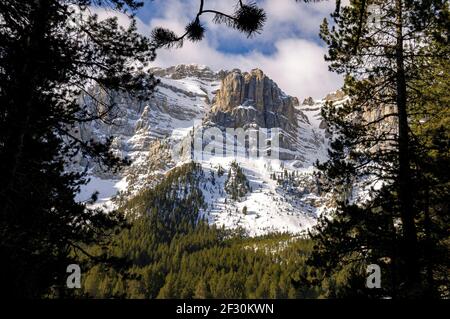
247, 18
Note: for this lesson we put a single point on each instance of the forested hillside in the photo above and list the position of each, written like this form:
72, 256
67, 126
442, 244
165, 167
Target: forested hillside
172, 254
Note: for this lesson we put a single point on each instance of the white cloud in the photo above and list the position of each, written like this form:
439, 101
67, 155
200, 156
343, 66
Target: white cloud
297, 64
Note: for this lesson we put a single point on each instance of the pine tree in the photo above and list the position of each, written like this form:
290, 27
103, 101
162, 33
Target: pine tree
51, 52
169, 290
237, 184
201, 290
373, 148
429, 122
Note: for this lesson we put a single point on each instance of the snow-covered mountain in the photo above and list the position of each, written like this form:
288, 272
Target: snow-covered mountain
281, 193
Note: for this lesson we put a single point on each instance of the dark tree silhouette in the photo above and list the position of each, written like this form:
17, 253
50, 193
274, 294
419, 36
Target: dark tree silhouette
51, 52
376, 146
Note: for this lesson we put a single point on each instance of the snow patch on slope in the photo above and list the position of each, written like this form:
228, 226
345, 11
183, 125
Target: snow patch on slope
270, 208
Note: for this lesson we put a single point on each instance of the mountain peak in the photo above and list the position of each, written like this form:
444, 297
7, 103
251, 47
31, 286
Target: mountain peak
252, 88
257, 72
181, 71
252, 99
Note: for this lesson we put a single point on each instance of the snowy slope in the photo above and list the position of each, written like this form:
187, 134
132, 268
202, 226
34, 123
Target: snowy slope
270, 207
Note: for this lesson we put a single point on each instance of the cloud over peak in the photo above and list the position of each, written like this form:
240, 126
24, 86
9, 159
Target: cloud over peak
288, 49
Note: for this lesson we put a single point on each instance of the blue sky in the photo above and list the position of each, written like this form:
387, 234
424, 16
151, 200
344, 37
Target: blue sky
288, 49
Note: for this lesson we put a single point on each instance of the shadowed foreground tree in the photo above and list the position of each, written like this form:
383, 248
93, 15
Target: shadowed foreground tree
50, 53
390, 139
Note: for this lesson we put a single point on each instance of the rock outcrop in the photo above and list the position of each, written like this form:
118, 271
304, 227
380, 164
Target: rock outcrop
186, 70
246, 98
251, 99
308, 101
335, 96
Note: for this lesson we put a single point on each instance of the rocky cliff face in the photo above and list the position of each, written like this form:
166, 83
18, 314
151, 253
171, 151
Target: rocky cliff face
181, 99
251, 99
252, 88
183, 71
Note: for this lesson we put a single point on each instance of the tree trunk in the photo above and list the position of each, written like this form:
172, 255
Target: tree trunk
430, 289
411, 270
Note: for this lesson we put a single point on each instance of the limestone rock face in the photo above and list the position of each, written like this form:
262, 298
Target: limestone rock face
254, 91
186, 70
161, 133
251, 99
